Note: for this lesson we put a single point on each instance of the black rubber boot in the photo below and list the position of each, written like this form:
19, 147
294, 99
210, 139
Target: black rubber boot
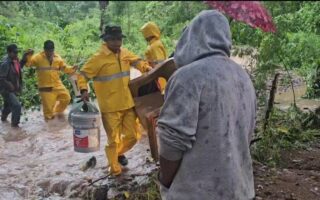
123, 160
4, 118
15, 126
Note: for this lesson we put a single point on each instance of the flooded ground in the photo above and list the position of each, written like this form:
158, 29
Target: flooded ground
39, 162
284, 99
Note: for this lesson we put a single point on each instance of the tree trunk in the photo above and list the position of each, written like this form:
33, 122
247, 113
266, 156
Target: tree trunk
271, 100
128, 18
103, 6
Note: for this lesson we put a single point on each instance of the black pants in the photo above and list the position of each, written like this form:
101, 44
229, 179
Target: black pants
11, 105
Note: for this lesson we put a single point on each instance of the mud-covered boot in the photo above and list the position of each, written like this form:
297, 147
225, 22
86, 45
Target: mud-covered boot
4, 118
15, 126
123, 160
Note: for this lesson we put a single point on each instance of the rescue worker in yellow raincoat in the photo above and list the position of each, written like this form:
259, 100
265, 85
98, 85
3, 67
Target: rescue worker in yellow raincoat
48, 64
155, 53
110, 70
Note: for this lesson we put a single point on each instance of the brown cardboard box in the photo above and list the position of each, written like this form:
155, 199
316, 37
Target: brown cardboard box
148, 106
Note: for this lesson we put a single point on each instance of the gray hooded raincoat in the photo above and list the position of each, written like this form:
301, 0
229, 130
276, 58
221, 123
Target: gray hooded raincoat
208, 116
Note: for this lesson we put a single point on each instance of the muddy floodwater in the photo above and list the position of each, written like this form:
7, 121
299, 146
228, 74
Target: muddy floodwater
38, 161
285, 98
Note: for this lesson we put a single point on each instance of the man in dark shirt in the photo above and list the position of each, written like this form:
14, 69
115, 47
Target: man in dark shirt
11, 85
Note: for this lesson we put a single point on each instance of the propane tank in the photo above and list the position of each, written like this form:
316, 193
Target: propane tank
85, 118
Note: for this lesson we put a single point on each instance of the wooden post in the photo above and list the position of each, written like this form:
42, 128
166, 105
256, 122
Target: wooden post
271, 100
292, 87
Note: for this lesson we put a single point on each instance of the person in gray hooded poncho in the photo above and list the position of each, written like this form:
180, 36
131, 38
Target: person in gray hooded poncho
207, 119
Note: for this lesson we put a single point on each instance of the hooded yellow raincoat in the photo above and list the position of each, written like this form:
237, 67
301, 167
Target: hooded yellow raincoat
155, 53
54, 96
111, 74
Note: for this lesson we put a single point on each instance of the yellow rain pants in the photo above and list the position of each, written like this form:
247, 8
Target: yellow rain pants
51, 89
54, 102
111, 74
123, 134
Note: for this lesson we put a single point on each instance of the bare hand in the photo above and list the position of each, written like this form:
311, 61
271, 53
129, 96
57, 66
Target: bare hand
148, 68
85, 96
29, 52
75, 68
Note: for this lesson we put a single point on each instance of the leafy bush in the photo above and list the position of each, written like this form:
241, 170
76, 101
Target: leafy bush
286, 130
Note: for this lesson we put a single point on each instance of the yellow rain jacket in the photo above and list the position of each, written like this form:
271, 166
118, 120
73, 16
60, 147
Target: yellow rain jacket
111, 74
155, 53
49, 76
54, 96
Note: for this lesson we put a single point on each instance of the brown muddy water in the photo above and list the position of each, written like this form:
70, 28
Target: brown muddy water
37, 161
283, 100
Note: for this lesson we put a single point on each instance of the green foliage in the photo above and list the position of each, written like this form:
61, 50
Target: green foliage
170, 16
286, 130
31, 98
74, 27
7, 33
149, 191
60, 13
313, 84
80, 40
294, 46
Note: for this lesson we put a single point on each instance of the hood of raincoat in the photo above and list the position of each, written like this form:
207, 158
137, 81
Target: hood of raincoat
208, 34
150, 29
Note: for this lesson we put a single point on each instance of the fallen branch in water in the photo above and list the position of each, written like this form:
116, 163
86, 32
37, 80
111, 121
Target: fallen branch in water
131, 175
107, 176
99, 179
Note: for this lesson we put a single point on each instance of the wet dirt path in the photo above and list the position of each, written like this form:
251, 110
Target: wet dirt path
38, 162
298, 178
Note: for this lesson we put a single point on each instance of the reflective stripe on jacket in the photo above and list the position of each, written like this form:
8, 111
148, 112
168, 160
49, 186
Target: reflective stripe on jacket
111, 74
48, 75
